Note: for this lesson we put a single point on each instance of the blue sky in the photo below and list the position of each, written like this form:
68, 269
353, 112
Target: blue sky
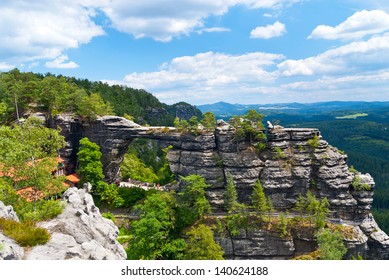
201, 51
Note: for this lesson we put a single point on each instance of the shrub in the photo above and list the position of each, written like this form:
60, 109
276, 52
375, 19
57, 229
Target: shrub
331, 244
109, 216
40, 210
358, 185
279, 153
131, 195
314, 142
26, 234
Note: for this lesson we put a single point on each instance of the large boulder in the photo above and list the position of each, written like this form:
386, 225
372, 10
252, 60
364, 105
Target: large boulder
80, 232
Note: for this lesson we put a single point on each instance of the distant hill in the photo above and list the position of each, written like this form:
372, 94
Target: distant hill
333, 108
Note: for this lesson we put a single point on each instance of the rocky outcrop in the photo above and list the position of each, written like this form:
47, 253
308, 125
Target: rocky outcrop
293, 162
9, 249
80, 232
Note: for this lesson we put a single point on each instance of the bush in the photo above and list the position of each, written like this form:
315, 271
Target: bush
279, 153
131, 195
26, 234
41, 210
314, 142
109, 216
358, 185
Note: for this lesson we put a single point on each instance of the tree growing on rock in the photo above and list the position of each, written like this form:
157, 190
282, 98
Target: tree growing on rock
193, 195
201, 245
331, 244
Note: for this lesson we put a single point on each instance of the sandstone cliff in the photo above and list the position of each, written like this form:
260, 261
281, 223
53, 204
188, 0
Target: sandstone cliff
293, 162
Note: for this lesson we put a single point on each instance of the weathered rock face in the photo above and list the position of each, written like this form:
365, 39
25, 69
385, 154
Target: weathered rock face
80, 232
9, 249
293, 162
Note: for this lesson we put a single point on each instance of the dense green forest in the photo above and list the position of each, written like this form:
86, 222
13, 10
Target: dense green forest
23, 93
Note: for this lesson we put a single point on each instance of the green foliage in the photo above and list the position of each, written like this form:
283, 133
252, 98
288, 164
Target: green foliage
110, 194
109, 216
24, 233
359, 185
154, 233
279, 153
27, 152
90, 168
249, 127
352, 169
131, 195
7, 193
209, 121
314, 142
146, 162
1, 247
231, 196
282, 225
40, 210
201, 244
331, 244
132, 167
258, 199
193, 194
317, 210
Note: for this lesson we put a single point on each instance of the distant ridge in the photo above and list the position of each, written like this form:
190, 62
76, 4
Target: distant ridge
225, 109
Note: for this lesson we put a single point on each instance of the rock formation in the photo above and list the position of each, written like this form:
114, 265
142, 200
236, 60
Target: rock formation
80, 232
293, 162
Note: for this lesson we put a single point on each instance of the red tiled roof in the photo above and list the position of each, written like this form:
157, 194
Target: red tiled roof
73, 178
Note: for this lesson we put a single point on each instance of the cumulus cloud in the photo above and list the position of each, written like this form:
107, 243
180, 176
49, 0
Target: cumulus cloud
173, 18
5, 66
353, 57
61, 63
206, 72
357, 26
270, 31
31, 30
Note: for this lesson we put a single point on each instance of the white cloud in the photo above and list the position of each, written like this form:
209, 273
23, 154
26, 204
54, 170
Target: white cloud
213, 30
270, 31
350, 58
31, 30
5, 66
206, 72
60, 63
357, 26
173, 18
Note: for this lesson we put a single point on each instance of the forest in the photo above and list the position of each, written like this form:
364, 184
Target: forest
23, 93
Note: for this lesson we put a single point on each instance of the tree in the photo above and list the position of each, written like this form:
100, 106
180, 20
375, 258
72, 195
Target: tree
317, 210
90, 168
201, 245
28, 156
193, 194
331, 244
258, 199
209, 121
282, 225
154, 233
231, 196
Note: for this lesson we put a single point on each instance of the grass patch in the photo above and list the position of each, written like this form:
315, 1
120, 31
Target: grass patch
353, 116
26, 234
